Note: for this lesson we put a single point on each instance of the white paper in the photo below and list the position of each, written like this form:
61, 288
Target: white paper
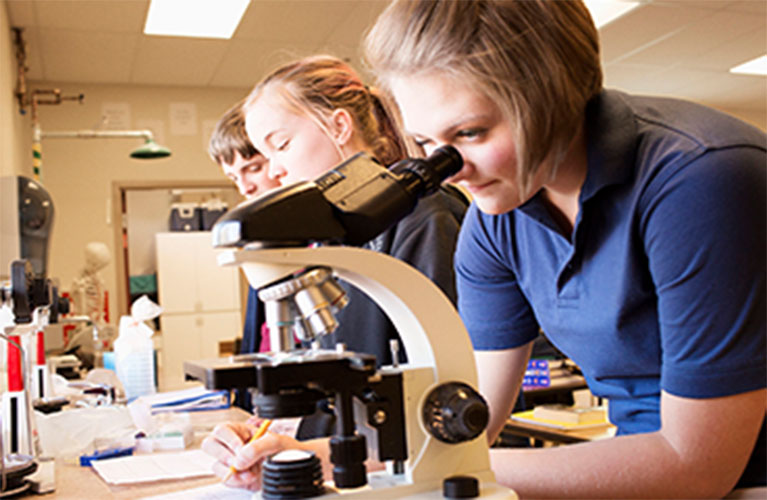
116, 115
154, 467
215, 491
183, 118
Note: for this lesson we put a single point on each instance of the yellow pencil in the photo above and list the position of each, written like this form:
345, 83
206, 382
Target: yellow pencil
259, 432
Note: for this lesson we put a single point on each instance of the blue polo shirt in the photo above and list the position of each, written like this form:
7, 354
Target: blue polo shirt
661, 284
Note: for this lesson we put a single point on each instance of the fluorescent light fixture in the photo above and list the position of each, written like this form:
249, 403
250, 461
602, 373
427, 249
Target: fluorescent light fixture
756, 66
194, 18
606, 11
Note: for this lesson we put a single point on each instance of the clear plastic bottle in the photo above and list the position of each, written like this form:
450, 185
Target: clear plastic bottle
134, 358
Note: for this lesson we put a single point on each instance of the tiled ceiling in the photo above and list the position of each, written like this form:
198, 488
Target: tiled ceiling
667, 47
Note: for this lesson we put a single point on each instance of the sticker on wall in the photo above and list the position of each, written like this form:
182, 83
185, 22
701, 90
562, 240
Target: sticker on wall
157, 127
183, 118
115, 116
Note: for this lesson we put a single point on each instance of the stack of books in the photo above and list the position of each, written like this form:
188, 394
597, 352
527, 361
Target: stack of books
564, 417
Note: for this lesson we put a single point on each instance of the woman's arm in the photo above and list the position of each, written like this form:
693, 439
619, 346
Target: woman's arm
700, 452
500, 376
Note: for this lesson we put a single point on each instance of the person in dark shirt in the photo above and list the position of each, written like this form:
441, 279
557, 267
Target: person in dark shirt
305, 118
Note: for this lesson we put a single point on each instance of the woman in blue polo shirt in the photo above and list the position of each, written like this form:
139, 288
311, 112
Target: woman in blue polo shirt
630, 229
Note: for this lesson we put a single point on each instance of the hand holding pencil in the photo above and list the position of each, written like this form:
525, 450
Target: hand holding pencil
240, 449
259, 433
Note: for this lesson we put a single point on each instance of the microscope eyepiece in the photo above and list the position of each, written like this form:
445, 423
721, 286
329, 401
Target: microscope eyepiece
350, 204
432, 171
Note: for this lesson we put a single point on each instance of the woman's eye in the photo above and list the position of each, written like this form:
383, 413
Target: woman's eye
421, 143
283, 145
470, 133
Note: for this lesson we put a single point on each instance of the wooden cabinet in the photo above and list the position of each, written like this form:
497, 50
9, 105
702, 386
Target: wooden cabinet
201, 302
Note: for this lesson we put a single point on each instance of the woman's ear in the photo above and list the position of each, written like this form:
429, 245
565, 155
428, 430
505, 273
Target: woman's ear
342, 126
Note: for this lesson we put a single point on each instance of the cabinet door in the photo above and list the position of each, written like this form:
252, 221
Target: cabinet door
180, 342
218, 288
188, 337
176, 277
189, 277
218, 327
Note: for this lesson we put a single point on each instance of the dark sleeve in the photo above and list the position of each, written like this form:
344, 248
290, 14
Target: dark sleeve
426, 239
251, 330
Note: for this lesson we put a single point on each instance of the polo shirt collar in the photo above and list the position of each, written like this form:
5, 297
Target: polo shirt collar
610, 145
611, 131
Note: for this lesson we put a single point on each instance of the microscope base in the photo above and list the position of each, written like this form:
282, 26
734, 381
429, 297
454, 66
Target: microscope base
385, 486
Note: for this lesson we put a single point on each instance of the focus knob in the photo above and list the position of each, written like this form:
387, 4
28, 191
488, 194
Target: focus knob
454, 412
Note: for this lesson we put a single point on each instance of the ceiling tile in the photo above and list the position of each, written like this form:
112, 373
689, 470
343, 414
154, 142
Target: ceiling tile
310, 21
697, 4
752, 6
246, 62
176, 60
744, 47
643, 27
361, 15
695, 39
120, 16
639, 78
676, 47
727, 90
77, 56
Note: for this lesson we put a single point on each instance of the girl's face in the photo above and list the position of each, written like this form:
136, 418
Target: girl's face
296, 146
439, 110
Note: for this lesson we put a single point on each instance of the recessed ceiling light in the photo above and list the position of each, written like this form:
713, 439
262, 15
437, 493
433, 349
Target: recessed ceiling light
194, 18
606, 11
756, 66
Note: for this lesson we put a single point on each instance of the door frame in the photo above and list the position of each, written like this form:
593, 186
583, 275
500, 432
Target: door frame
119, 226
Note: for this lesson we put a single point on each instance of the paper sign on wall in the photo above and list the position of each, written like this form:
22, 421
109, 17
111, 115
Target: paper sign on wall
183, 118
115, 116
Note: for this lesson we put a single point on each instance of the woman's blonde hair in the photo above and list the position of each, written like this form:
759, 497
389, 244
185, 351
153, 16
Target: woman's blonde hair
319, 85
538, 59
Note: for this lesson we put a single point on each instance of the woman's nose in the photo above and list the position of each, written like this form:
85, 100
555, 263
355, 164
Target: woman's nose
275, 171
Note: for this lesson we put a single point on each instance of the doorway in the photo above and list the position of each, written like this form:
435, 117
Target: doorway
140, 211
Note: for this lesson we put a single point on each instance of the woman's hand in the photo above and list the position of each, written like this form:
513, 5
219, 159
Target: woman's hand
229, 444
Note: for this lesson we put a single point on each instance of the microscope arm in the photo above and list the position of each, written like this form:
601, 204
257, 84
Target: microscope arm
435, 339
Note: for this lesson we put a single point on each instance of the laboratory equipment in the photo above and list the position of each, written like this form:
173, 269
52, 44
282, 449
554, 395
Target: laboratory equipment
28, 213
27, 306
423, 419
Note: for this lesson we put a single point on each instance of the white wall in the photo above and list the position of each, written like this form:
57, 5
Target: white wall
79, 173
15, 159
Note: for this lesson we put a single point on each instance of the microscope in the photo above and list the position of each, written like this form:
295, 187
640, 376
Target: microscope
28, 302
423, 419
